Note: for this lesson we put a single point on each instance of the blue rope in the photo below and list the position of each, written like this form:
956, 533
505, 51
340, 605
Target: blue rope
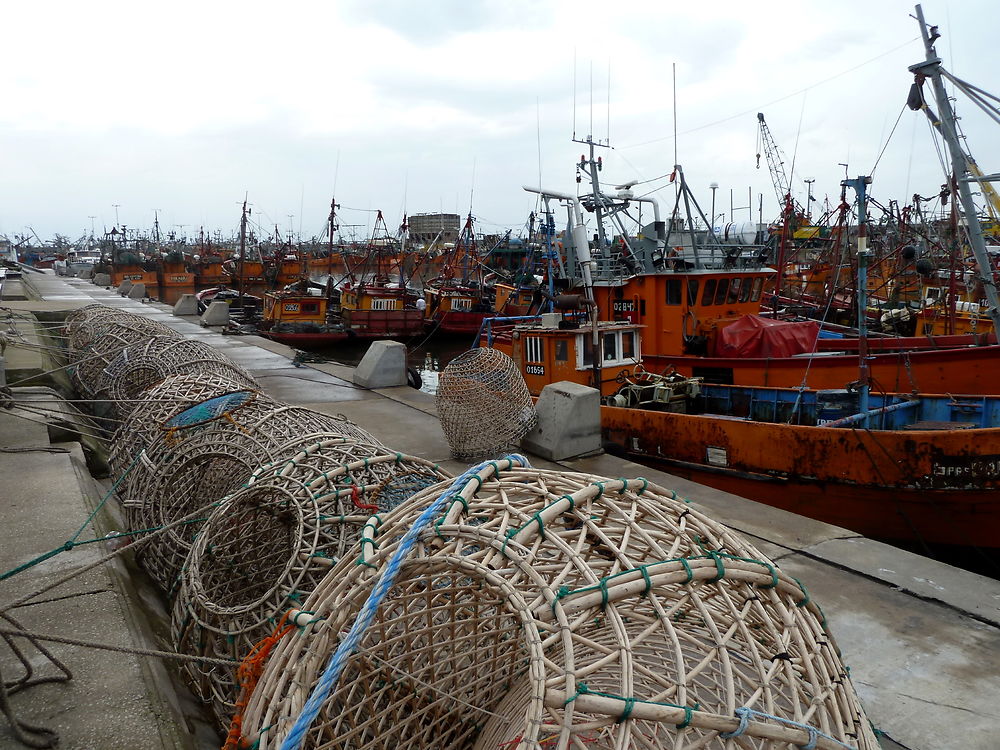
347, 647
745, 714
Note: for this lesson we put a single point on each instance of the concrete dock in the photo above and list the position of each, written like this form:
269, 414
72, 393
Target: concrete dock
922, 638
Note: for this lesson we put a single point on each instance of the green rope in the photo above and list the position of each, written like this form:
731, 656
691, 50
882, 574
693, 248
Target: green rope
72, 541
582, 689
805, 594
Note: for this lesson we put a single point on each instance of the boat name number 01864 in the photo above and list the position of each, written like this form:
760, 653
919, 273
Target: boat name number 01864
981, 467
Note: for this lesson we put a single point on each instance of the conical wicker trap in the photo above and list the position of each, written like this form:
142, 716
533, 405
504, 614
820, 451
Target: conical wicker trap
561, 610
267, 545
483, 404
204, 453
139, 367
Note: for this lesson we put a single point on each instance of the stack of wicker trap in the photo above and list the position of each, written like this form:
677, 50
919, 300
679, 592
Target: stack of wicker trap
374, 602
563, 610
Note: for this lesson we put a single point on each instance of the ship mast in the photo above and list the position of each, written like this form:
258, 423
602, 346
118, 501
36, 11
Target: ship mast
931, 68
243, 250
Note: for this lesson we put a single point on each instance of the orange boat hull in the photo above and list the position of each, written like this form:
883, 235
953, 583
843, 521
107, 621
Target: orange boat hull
965, 370
940, 487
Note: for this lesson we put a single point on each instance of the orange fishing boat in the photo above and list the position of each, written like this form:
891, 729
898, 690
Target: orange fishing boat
458, 299
371, 305
917, 468
303, 316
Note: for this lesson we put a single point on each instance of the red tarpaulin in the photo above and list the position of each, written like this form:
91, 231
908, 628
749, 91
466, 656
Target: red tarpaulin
754, 337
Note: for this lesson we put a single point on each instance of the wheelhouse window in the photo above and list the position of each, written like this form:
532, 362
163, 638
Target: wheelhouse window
674, 290
562, 350
692, 291
758, 284
383, 304
745, 290
310, 308
709, 295
610, 347
628, 344
720, 291
617, 348
534, 349
461, 304
734, 290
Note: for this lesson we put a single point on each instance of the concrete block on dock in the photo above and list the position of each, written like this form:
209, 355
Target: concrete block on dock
102, 279
85, 273
186, 305
138, 291
3, 372
569, 422
383, 366
125, 287
217, 314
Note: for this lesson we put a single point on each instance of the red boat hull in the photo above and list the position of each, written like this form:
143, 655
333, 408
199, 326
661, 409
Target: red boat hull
307, 340
459, 322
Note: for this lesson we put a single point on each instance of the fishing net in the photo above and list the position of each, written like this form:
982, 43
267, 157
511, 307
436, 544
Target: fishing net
483, 404
264, 548
550, 609
139, 367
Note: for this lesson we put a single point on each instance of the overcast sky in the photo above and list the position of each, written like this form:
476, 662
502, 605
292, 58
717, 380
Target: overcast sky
423, 106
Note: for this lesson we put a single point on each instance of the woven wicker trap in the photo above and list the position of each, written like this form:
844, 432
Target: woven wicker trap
563, 610
484, 404
266, 546
139, 367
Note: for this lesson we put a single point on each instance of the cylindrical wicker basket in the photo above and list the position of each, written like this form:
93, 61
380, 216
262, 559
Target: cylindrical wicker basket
139, 367
483, 404
266, 546
562, 610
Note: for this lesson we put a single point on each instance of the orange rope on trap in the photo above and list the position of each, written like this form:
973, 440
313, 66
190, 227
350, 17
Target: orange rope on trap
248, 674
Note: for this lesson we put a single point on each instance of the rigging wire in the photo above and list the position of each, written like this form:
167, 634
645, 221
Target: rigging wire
773, 101
886, 144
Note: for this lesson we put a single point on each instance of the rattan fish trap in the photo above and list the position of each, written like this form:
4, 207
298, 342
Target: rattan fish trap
483, 404
267, 545
205, 452
78, 324
139, 367
556, 610
158, 404
115, 335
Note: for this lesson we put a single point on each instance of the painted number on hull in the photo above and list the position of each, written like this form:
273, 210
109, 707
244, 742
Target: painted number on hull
627, 306
964, 468
291, 307
534, 369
